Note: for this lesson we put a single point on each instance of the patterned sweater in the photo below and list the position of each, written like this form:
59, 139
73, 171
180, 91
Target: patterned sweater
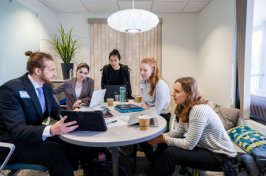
204, 130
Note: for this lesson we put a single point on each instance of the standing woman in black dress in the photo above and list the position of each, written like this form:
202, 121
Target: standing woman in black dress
116, 73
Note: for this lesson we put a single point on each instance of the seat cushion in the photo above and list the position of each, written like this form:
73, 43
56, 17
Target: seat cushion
246, 138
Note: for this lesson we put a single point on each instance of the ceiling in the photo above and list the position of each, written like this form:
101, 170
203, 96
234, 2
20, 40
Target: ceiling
111, 6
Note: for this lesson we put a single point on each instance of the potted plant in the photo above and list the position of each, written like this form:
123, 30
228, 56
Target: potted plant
66, 47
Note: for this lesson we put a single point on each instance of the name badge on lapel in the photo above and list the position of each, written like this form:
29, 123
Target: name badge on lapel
142, 86
24, 94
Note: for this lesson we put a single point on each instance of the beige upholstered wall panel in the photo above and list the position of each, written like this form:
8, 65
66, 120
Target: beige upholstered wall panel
132, 47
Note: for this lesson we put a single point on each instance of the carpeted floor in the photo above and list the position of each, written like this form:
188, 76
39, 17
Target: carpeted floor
142, 165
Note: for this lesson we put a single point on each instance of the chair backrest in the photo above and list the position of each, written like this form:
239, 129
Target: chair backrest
12, 148
172, 123
17, 166
56, 99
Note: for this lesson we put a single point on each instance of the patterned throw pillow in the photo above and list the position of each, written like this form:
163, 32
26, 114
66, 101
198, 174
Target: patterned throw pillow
247, 138
214, 106
192, 171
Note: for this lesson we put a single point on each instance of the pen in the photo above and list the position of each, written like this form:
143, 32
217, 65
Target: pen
112, 122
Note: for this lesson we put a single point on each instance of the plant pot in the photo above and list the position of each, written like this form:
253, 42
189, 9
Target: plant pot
65, 69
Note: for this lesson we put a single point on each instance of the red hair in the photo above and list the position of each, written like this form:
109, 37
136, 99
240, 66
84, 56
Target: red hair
155, 76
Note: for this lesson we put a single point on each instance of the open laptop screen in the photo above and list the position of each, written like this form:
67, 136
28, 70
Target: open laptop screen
112, 90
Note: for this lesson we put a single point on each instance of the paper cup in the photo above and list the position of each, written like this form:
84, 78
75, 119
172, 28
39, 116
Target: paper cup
110, 102
138, 98
144, 122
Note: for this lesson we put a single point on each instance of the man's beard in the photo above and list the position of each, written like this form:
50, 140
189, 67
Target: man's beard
45, 79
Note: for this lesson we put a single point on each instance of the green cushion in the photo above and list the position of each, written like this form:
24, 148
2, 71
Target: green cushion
192, 171
246, 138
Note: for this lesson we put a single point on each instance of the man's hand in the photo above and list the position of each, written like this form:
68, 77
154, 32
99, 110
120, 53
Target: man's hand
144, 106
60, 127
157, 140
76, 104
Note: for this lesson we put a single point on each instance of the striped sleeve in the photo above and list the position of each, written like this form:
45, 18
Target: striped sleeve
177, 132
197, 123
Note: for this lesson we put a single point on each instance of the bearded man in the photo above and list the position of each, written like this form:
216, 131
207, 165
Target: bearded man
24, 103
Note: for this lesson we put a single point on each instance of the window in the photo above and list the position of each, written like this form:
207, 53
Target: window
258, 64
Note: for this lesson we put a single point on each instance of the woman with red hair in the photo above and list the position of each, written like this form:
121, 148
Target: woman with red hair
155, 93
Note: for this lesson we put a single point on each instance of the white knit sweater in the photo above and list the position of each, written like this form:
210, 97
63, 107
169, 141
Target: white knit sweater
204, 130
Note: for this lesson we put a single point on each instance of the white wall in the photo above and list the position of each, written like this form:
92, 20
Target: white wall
47, 26
215, 51
80, 25
19, 32
179, 47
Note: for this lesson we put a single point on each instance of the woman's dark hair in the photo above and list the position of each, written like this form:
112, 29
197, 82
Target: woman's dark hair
36, 60
81, 65
114, 53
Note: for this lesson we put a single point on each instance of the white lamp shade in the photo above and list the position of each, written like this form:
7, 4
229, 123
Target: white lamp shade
133, 20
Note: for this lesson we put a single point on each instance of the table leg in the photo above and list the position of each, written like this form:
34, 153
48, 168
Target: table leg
134, 170
115, 161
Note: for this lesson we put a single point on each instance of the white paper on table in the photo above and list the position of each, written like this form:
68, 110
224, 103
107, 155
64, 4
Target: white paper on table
85, 109
123, 117
110, 108
117, 123
97, 108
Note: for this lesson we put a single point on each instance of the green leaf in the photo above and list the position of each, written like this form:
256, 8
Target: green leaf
64, 44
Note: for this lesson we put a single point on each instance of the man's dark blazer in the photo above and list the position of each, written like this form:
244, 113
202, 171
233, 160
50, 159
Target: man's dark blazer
21, 118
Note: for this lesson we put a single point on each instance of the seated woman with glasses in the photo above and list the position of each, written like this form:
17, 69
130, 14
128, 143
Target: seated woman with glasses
78, 89
206, 145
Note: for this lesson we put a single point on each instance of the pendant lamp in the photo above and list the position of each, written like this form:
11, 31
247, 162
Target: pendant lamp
133, 20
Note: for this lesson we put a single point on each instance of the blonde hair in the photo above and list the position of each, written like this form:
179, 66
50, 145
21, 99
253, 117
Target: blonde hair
155, 76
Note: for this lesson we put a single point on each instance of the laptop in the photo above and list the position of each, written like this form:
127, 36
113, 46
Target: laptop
112, 90
134, 118
96, 99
